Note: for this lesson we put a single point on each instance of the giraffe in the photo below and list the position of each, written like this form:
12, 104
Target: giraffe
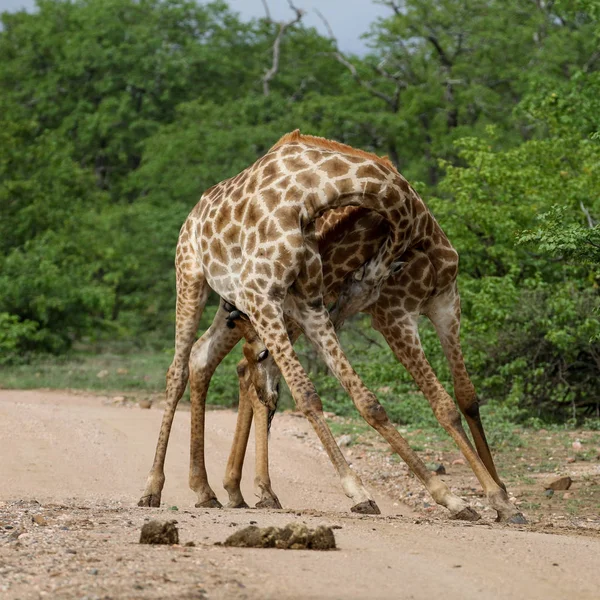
404, 297
339, 170
252, 240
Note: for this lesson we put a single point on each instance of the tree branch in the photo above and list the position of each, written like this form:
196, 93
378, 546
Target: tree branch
327, 26
283, 26
390, 100
586, 212
393, 100
443, 56
395, 6
267, 11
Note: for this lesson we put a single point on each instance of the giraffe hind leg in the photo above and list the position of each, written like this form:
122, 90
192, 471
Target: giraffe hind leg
207, 354
192, 293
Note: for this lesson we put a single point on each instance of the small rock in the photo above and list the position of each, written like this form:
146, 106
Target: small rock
440, 469
564, 483
121, 371
549, 493
190, 544
458, 461
571, 459
566, 495
344, 440
39, 520
155, 532
71, 551
102, 374
576, 445
24, 535
118, 399
93, 571
145, 404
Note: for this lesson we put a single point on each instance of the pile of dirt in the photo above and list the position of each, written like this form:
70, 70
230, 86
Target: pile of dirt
155, 532
293, 536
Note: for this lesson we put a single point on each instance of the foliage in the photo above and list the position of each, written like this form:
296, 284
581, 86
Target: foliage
116, 115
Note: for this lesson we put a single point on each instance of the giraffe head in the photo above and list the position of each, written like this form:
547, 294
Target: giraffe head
259, 365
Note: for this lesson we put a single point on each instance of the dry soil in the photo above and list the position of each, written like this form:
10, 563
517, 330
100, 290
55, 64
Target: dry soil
72, 468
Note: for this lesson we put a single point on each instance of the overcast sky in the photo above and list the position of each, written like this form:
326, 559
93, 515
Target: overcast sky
348, 18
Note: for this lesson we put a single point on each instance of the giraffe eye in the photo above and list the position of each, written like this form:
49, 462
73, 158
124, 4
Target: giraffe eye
262, 355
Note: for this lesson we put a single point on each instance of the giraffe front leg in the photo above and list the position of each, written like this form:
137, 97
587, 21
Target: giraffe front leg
274, 334
400, 331
233, 472
249, 407
444, 313
320, 330
262, 480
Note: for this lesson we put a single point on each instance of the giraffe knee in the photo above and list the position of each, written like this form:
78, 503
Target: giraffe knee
448, 416
310, 403
176, 374
372, 412
472, 409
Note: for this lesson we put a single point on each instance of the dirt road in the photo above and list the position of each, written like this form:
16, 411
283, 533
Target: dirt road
77, 465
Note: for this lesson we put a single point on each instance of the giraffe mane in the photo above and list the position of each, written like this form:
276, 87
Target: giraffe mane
295, 137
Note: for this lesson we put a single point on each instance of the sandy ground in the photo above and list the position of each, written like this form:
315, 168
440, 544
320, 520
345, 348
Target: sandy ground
77, 465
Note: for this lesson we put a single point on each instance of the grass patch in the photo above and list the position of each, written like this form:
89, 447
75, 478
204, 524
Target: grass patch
112, 371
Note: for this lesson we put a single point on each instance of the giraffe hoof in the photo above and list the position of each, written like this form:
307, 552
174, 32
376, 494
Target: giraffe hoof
516, 519
466, 514
210, 503
241, 504
368, 507
152, 500
269, 503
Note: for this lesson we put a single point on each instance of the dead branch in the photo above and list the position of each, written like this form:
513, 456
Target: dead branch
327, 26
394, 5
391, 101
283, 26
586, 212
267, 11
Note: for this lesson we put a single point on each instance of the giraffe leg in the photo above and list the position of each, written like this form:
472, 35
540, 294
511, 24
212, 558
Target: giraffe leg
402, 335
249, 406
206, 355
319, 329
262, 480
444, 313
273, 332
192, 292
233, 472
